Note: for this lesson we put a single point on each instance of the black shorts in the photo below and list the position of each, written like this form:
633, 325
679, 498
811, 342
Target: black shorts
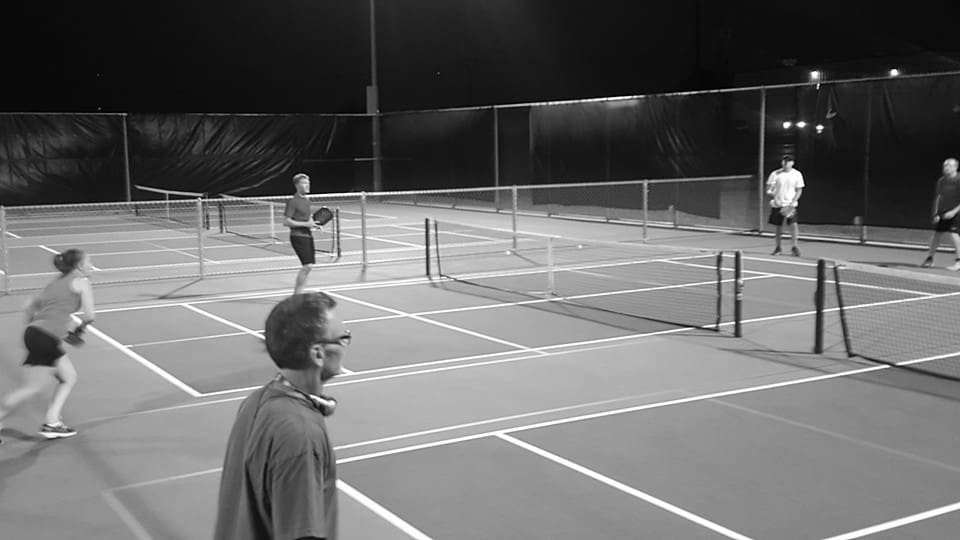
946, 225
42, 348
303, 247
776, 218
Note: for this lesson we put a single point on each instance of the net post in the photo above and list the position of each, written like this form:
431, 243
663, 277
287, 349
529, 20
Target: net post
513, 213
166, 204
273, 224
363, 229
436, 246
818, 301
200, 236
221, 217
719, 269
426, 244
337, 246
646, 203
551, 278
738, 294
841, 310
4, 266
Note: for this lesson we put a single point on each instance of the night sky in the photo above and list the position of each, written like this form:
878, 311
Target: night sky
313, 55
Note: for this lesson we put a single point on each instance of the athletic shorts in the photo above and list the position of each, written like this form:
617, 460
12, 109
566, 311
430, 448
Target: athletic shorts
776, 218
42, 348
303, 247
946, 225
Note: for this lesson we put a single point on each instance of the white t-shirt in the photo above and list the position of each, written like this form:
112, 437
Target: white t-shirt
782, 186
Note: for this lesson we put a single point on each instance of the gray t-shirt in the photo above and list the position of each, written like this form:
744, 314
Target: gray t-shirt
279, 478
298, 209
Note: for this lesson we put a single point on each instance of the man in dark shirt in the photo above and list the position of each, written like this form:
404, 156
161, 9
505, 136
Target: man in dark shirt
946, 205
298, 218
279, 478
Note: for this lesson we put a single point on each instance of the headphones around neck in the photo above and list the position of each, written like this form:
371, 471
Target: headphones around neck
326, 405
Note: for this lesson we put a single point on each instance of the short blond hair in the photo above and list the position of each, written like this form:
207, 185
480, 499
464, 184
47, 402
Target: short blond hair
300, 176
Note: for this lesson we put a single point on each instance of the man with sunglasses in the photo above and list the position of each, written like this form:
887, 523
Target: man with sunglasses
279, 477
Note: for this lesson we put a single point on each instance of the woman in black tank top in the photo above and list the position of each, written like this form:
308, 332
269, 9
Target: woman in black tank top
49, 317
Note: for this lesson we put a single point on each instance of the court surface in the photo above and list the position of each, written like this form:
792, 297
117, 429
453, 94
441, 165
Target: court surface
466, 414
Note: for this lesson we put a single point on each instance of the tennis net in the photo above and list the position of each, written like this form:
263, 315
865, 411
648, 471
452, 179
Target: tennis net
897, 317
262, 220
669, 286
178, 207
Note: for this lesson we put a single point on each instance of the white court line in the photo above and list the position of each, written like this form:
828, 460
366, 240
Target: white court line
240, 327
381, 511
457, 427
546, 350
527, 427
619, 486
180, 251
436, 323
614, 412
55, 252
384, 239
841, 436
221, 320
898, 522
125, 516
18, 237
144, 362
184, 340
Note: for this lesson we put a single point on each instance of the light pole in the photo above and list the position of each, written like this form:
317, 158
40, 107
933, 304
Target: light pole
373, 101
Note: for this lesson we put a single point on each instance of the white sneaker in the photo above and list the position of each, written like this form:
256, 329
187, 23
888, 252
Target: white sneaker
955, 266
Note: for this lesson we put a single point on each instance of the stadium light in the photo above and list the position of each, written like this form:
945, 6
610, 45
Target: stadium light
815, 76
894, 72
820, 128
801, 124
787, 125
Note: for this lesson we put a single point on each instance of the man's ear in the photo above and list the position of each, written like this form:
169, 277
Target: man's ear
317, 354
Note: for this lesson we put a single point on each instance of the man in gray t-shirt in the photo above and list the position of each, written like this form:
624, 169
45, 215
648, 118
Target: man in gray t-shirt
279, 478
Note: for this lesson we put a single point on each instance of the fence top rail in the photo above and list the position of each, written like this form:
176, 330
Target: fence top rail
373, 194
754, 88
161, 191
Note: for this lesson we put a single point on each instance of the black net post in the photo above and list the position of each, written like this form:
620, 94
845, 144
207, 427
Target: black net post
840, 310
436, 246
426, 244
337, 231
4, 265
818, 301
716, 326
738, 294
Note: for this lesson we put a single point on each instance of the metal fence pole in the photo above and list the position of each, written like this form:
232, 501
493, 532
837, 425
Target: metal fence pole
646, 199
200, 230
762, 190
496, 160
513, 212
363, 228
126, 160
4, 265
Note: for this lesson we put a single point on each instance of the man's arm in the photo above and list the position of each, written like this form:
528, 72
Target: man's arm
296, 489
294, 223
950, 214
796, 198
772, 183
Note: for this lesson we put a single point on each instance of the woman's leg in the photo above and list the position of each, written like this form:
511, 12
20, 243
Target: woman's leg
66, 374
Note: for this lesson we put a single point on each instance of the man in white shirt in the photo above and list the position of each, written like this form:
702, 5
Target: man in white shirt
785, 185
